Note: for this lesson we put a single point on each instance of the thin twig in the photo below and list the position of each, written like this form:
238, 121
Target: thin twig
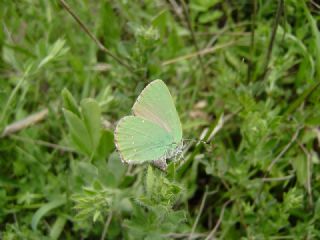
282, 237
309, 173
275, 160
106, 226
195, 43
201, 53
184, 235
317, 5
252, 40
99, 67
24, 123
42, 143
317, 132
194, 40
214, 230
223, 119
11, 97
285, 149
213, 128
277, 179
273, 36
241, 218
177, 9
205, 195
91, 35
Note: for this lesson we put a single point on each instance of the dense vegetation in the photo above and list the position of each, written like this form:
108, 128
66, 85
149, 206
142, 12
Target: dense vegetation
244, 76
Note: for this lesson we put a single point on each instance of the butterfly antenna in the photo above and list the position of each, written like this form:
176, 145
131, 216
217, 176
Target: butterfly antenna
195, 140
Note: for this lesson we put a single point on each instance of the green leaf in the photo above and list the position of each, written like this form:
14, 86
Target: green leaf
85, 171
160, 21
117, 168
300, 164
210, 17
106, 144
96, 215
79, 134
92, 119
303, 97
57, 228
56, 50
44, 210
108, 26
150, 178
69, 102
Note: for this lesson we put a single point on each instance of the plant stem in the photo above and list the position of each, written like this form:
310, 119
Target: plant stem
106, 226
99, 44
211, 234
195, 43
252, 41
272, 38
11, 97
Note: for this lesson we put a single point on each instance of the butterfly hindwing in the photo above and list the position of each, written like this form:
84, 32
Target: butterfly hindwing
139, 140
155, 103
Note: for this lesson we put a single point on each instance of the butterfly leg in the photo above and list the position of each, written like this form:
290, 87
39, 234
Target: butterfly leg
161, 164
181, 156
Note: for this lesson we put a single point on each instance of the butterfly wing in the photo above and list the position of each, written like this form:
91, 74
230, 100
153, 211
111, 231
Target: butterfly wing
155, 103
139, 140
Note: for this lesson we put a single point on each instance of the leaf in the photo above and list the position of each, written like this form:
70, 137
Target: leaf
117, 168
316, 35
92, 119
79, 134
69, 102
85, 171
106, 144
300, 164
56, 50
160, 22
150, 178
108, 26
303, 97
96, 215
57, 228
210, 16
44, 210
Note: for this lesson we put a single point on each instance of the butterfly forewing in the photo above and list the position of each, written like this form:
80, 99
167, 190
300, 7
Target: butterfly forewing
139, 140
155, 103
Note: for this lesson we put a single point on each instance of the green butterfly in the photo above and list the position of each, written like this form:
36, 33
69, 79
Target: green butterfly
154, 133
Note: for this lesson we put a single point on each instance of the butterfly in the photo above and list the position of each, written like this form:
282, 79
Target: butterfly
154, 132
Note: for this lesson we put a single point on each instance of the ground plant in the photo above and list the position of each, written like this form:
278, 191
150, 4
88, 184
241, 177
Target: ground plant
244, 76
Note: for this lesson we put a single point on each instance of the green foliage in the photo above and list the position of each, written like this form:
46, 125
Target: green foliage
258, 178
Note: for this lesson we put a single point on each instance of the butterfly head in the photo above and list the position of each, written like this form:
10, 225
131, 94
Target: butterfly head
175, 150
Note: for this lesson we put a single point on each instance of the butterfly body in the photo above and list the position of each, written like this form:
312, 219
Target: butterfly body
154, 132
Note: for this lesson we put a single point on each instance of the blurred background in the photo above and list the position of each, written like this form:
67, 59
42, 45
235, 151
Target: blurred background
244, 76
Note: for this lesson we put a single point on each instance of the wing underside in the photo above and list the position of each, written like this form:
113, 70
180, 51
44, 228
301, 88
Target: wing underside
139, 140
155, 103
